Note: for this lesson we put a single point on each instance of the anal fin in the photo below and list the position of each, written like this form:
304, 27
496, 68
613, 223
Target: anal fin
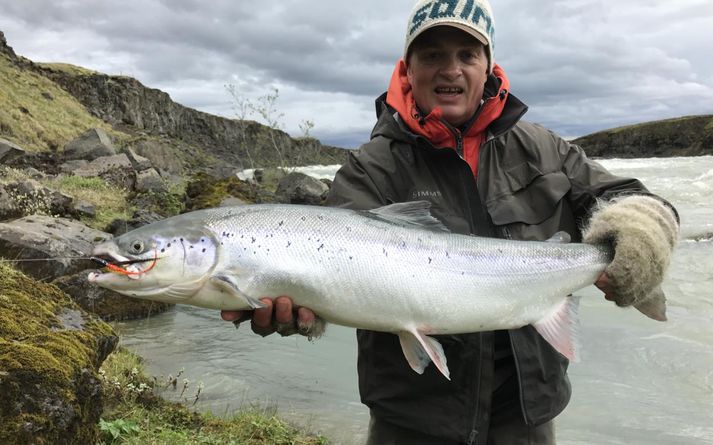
561, 327
230, 285
420, 350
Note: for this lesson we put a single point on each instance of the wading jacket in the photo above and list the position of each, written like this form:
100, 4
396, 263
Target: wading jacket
530, 185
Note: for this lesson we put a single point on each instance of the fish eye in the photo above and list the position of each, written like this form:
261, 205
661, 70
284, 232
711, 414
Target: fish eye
136, 246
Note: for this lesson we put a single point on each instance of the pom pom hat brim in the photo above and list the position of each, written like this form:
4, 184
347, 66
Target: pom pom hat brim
472, 16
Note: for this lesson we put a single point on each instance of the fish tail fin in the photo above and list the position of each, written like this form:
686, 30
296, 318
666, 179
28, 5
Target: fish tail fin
420, 349
654, 305
561, 328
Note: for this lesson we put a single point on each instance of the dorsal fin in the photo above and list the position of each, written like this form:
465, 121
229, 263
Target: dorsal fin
412, 213
560, 237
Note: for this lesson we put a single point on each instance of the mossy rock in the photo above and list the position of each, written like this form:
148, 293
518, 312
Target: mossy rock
205, 191
50, 351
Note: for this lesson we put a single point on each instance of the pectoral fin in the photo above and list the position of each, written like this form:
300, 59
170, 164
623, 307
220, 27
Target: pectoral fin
654, 306
420, 349
230, 285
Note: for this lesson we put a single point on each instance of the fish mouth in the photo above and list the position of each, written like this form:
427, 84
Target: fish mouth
115, 263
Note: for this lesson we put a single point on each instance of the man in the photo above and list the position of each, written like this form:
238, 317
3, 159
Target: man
449, 131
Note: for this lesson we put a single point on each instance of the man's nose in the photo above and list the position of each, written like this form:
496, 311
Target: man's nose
451, 68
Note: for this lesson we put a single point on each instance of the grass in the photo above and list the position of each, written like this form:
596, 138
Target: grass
37, 114
136, 414
110, 201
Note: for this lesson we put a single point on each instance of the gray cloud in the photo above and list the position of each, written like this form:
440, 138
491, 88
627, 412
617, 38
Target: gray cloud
581, 65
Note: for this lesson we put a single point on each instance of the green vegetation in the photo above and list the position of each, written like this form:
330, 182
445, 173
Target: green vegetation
135, 414
38, 115
68, 68
110, 201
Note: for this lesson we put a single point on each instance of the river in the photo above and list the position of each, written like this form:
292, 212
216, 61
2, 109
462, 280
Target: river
638, 381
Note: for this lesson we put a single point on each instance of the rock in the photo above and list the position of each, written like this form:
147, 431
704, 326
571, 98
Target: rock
33, 173
84, 208
230, 201
73, 165
150, 181
116, 170
50, 353
57, 239
91, 145
104, 303
9, 151
298, 188
137, 161
138, 219
161, 156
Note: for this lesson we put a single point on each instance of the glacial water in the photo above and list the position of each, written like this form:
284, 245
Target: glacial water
639, 382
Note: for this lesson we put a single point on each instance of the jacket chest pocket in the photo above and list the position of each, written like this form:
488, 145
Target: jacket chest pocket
526, 203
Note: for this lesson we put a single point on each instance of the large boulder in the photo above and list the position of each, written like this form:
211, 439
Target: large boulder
92, 144
298, 188
63, 242
50, 353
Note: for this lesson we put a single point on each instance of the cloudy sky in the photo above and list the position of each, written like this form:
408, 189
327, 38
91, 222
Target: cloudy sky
581, 65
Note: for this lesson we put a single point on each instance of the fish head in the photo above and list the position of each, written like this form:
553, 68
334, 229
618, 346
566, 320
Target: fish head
166, 261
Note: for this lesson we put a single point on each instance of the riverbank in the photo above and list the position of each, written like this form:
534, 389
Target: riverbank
135, 412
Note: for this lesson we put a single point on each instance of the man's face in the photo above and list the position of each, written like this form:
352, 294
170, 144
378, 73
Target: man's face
447, 68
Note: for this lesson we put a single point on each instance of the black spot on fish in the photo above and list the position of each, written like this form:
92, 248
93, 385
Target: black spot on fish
181, 239
349, 229
429, 260
163, 250
280, 223
351, 257
320, 247
448, 255
253, 238
190, 247
203, 250
289, 243
303, 218
385, 252
168, 245
202, 240
320, 217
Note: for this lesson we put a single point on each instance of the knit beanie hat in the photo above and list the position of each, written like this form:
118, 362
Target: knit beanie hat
472, 16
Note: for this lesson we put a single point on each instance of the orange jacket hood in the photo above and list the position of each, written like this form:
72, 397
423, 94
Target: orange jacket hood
400, 97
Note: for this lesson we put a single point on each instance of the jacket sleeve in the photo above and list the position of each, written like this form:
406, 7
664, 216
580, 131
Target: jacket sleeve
590, 181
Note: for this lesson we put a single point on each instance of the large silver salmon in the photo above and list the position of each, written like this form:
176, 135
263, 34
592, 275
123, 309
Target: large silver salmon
394, 269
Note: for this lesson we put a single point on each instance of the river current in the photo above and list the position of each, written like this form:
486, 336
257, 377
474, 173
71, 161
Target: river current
638, 381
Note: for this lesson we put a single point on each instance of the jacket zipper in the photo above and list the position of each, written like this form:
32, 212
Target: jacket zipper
519, 381
473, 436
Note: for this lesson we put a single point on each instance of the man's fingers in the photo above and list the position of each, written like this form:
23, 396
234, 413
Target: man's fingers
263, 315
305, 319
231, 315
283, 310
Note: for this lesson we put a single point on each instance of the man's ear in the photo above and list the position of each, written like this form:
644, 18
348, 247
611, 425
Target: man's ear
409, 73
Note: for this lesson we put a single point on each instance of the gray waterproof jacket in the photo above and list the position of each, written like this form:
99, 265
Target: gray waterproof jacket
530, 185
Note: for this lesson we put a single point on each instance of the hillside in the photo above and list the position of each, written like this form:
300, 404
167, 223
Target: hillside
685, 136
44, 106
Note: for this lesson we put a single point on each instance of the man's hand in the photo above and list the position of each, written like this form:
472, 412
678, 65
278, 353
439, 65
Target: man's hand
605, 286
643, 231
280, 316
